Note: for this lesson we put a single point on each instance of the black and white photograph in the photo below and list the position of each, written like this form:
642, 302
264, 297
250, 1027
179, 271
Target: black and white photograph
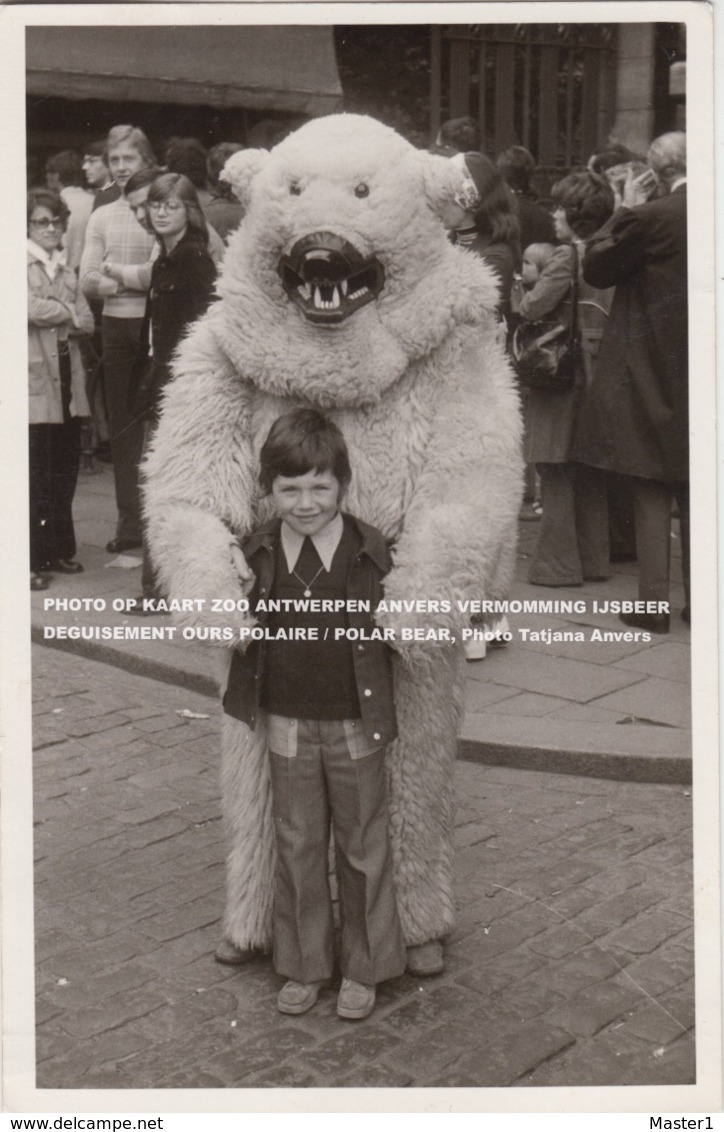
359, 346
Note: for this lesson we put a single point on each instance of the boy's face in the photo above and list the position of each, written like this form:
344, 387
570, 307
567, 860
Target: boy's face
95, 169
307, 503
137, 200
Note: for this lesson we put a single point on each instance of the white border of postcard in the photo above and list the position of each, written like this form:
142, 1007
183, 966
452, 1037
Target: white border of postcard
20, 1094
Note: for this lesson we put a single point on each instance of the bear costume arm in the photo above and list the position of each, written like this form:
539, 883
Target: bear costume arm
199, 482
459, 533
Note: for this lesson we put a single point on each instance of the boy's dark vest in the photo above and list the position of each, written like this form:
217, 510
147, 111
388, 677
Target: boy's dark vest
311, 679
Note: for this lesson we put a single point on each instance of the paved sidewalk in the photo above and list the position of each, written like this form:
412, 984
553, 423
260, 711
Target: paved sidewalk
613, 708
571, 963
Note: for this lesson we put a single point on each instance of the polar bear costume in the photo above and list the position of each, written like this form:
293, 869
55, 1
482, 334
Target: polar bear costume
342, 291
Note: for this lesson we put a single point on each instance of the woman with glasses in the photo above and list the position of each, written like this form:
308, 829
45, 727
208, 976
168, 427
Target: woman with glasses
58, 315
182, 277
182, 284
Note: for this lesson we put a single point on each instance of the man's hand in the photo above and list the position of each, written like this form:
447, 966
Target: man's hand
112, 270
106, 285
246, 575
638, 190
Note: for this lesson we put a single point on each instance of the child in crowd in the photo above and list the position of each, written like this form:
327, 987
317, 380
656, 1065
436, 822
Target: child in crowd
329, 715
572, 545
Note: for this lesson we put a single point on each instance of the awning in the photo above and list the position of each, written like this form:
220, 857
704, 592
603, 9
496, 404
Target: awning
285, 68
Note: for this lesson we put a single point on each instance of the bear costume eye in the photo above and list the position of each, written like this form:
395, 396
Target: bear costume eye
295, 189
362, 190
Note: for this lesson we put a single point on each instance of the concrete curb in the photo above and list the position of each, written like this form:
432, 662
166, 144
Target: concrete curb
154, 669
623, 767
674, 767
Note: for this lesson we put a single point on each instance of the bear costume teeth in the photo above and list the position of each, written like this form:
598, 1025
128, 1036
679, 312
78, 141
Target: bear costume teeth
329, 279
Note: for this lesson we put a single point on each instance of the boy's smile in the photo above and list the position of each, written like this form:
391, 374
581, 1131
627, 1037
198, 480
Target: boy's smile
306, 503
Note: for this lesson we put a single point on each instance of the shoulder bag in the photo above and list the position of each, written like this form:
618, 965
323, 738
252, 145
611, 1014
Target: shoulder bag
545, 354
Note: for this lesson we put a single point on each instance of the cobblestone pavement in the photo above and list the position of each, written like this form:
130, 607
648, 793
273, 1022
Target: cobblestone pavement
571, 964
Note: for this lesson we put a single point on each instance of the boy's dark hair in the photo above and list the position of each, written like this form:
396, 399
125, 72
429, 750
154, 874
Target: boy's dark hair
302, 441
517, 166
95, 149
616, 154
141, 178
587, 200
69, 167
187, 156
461, 134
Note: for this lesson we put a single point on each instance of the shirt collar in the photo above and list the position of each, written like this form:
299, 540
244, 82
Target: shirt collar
325, 541
679, 181
50, 261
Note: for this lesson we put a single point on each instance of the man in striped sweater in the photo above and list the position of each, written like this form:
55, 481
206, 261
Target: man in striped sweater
114, 234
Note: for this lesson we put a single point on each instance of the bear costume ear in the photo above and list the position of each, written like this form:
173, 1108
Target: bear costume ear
241, 169
444, 180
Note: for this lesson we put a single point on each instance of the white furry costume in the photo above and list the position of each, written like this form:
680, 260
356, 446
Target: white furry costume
419, 386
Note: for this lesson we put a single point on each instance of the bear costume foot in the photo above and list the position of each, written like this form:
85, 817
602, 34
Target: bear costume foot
425, 959
233, 956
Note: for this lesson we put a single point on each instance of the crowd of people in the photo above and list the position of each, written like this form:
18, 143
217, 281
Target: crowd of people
122, 257
608, 455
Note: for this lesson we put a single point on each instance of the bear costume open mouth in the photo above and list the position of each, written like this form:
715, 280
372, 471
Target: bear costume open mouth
328, 278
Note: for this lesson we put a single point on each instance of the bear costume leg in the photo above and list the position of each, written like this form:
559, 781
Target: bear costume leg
429, 698
249, 827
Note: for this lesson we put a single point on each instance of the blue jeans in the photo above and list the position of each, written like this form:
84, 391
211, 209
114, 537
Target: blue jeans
321, 779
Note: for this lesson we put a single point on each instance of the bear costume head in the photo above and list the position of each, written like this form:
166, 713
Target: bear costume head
344, 260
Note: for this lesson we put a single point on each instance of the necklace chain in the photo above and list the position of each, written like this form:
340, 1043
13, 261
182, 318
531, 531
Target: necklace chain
308, 585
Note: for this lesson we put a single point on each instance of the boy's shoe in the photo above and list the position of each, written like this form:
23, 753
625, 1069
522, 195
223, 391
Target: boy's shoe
298, 998
355, 1000
425, 959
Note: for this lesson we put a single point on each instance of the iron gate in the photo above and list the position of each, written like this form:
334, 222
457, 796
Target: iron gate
545, 86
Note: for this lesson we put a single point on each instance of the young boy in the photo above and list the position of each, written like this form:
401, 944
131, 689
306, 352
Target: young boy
329, 713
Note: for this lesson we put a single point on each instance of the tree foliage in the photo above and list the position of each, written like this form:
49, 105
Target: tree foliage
385, 72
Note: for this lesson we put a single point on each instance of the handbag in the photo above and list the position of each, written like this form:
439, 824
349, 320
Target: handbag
545, 354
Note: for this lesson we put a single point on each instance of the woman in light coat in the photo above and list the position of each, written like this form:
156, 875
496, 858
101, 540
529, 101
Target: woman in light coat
58, 315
